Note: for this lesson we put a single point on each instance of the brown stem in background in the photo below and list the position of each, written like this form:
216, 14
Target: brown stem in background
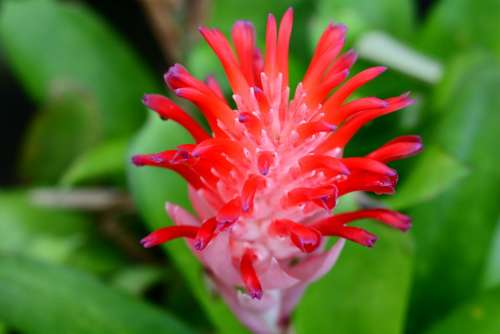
174, 23
112, 227
110, 205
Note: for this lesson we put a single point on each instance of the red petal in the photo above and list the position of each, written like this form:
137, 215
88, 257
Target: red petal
271, 40
249, 275
166, 160
167, 109
250, 187
214, 86
389, 217
307, 239
323, 162
351, 85
221, 47
324, 196
344, 62
329, 45
229, 213
252, 123
355, 234
376, 183
243, 34
340, 138
283, 44
349, 109
306, 130
215, 145
368, 165
205, 233
168, 233
265, 160
398, 148
320, 91
213, 108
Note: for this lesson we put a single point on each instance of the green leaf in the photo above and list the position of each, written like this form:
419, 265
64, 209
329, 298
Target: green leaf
463, 24
454, 231
151, 188
492, 270
68, 125
478, 316
135, 280
50, 44
59, 300
102, 161
365, 286
393, 16
432, 174
54, 236
225, 12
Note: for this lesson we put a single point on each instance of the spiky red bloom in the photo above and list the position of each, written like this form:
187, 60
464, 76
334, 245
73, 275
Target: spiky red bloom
267, 177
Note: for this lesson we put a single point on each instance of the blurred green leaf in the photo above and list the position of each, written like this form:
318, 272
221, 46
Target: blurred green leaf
393, 16
151, 188
102, 161
434, 173
224, 13
68, 125
59, 300
492, 270
51, 235
365, 286
478, 316
51, 44
454, 231
463, 24
135, 280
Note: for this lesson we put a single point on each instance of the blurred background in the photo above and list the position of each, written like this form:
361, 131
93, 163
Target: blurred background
72, 209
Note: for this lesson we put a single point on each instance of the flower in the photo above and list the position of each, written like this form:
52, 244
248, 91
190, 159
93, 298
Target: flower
265, 181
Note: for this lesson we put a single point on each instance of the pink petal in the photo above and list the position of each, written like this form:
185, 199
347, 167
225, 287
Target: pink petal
200, 205
252, 320
180, 216
316, 266
290, 298
274, 277
217, 257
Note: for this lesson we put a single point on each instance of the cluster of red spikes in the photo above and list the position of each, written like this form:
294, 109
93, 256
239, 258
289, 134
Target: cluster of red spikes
274, 162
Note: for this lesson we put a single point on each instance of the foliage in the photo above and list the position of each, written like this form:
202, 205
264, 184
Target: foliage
70, 270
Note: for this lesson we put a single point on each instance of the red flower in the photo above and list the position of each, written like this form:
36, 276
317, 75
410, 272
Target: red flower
265, 180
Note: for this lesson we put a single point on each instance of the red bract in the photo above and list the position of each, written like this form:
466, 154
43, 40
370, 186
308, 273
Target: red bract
266, 177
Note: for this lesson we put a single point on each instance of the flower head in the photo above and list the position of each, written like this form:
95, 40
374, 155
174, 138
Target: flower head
266, 178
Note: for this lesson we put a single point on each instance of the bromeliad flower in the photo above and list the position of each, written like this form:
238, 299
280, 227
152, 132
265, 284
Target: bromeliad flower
266, 179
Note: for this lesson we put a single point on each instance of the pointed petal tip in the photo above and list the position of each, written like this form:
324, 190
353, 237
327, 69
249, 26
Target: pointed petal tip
137, 160
370, 243
342, 27
243, 23
199, 245
256, 294
169, 207
148, 241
